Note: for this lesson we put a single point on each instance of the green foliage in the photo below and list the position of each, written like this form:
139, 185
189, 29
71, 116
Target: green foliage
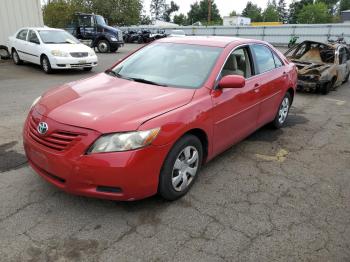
344, 5
158, 9
294, 9
233, 13
317, 13
199, 12
253, 12
270, 14
180, 19
59, 13
282, 11
169, 10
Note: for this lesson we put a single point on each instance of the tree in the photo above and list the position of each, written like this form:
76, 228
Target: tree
270, 14
317, 13
180, 19
294, 9
169, 10
253, 12
59, 13
233, 13
344, 5
199, 12
158, 9
282, 11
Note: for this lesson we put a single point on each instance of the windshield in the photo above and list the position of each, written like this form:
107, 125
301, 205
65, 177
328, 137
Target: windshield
100, 20
169, 64
57, 37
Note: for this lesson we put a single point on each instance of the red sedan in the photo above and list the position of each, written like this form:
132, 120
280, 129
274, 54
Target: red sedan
150, 122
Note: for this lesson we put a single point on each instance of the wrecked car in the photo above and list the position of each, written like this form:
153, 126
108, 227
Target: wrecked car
321, 67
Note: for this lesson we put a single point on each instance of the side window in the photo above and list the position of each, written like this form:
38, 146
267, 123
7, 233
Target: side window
278, 61
238, 63
22, 35
32, 37
342, 56
264, 58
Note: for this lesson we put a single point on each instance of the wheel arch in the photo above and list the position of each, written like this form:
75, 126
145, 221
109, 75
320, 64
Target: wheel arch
203, 138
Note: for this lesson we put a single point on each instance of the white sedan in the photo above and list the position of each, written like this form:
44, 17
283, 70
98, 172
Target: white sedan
51, 48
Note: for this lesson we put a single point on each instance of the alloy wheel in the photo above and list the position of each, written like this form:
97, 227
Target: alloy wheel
185, 168
283, 111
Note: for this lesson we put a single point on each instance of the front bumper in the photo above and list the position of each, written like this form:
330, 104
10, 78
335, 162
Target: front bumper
73, 62
124, 176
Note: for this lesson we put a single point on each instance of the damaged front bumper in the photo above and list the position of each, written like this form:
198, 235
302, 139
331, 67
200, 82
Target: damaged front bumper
309, 85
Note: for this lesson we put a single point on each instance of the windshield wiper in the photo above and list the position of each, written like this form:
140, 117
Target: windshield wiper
141, 80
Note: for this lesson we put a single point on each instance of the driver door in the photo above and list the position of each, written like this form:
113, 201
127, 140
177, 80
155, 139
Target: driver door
87, 26
235, 111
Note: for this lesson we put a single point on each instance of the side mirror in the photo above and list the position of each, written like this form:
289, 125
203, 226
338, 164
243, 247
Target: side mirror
232, 81
35, 41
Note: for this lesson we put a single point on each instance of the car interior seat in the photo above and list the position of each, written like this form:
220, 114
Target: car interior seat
231, 67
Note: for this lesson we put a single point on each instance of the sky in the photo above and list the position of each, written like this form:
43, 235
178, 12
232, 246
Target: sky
225, 6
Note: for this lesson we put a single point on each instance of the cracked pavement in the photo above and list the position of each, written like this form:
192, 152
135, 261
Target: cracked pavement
279, 195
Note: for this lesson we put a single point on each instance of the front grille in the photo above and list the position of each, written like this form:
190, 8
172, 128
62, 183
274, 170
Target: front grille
57, 140
80, 65
79, 54
120, 35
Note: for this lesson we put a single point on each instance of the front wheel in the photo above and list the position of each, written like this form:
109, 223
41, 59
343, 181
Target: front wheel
103, 46
283, 111
180, 168
46, 65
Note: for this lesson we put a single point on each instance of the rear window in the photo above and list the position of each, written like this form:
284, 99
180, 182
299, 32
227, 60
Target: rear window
22, 35
264, 59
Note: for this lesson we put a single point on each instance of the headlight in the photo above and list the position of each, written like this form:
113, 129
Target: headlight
114, 39
35, 102
59, 53
118, 142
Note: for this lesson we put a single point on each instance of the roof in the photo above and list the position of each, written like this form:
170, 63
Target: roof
42, 28
217, 41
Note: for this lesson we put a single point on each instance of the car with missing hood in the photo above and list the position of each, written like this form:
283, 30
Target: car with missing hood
321, 67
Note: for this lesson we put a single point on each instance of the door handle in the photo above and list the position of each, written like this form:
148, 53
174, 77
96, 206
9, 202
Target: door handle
256, 88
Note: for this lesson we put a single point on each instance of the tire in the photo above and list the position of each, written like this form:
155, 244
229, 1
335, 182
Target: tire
16, 59
346, 79
283, 111
115, 49
176, 168
87, 69
325, 88
103, 46
45, 64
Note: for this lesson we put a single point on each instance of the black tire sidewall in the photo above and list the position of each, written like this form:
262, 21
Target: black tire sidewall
165, 187
19, 61
276, 123
48, 63
108, 46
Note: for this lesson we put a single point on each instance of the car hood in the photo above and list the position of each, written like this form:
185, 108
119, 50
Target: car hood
109, 104
68, 47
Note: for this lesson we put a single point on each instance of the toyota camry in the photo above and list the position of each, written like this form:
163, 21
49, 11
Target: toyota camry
149, 123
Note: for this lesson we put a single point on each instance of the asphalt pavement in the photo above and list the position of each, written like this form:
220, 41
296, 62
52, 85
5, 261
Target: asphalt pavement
279, 195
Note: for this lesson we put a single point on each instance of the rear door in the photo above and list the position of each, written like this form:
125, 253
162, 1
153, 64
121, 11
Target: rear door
272, 79
235, 111
20, 43
33, 47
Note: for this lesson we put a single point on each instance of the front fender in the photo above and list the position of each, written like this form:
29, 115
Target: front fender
176, 123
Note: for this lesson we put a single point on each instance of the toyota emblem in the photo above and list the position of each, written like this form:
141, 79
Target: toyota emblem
42, 128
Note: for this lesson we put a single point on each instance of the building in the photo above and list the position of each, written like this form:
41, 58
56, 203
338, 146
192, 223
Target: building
345, 16
15, 14
236, 21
